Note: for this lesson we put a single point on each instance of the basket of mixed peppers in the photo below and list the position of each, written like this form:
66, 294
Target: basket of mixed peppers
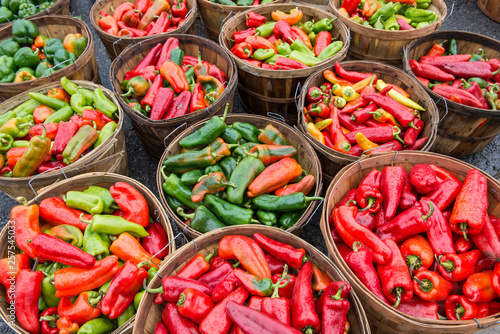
250, 280
85, 255
418, 237
230, 172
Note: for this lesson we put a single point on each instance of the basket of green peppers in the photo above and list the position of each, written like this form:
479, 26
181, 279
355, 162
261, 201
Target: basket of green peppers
37, 51
237, 170
11, 10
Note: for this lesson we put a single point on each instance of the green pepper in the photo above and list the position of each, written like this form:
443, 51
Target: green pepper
422, 24
177, 56
68, 233
295, 201
5, 117
152, 272
43, 69
284, 49
126, 315
231, 136
378, 25
105, 195
304, 58
267, 218
137, 86
477, 57
190, 76
367, 24
202, 220
9, 47
299, 46
213, 169
78, 103
25, 69
61, 115
272, 60
207, 133
312, 36
138, 298
386, 11
83, 201
391, 23
423, 3
21, 143
96, 244
323, 25
227, 2
288, 219
192, 177
5, 143
246, 171
51, 46
96, 326
187, 161
48, 101
265, 30
306, 27
16, 127
247, 131
241, 151
264, 2
26, 108
262, 54
481, 82
6, 15
26, 10
173, 203
114, 225
105, 287
175, 188
103, 104
420, 15
49, 292
69, 87
228, 165
42, 306
62, 58
244, 2
330, 50
25, 32
105, 133
7, 69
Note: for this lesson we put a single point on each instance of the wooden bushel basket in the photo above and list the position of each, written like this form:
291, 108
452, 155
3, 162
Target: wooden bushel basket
333, 161
115, 45
383, 45
490, 8
60, 7
155, 135
213, 15
79, 183
56, 26
465, 130
306, 157
149, 313
110, 156
382, 315
264, 91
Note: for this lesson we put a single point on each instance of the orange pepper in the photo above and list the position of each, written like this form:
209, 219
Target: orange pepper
370, 7
59, 94
343, 12
40, 41
330, 76
275, 176
259, 42
175, 76
320, 279
126, 247
24, 76
314, 131
66, 326
344, 130
293, 18
300, 34
358, 86
365, 143
382, 116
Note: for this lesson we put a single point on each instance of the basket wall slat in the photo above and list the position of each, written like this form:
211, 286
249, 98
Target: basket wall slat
306, 157
110, 156
56, 26
382, 45
152, 133
114, 45
464, 130
333, 161
490, 8
264, 91
382, 315
149, 313
60, 7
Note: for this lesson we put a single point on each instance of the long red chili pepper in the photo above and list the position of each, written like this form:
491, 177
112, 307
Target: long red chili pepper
214, 277
351, 75
304, 316
439, 234
392, 184
408, 196
28, 290
487, 240
131, 203
394, 108
294, 257
151, 58
176, 323
197, 266
172, 287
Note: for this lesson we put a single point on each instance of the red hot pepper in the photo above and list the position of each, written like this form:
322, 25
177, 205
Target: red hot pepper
162, 102
131, 202
28, 290
335, 311
439, 234
459, 308
194, 305
156, 241
368, 194
468, 69
275, 265
172, 287
441, 60
166, 49
394, 276
352, 75
417, 145
148, 73
215, 276
176, 323
457, 94
240, 36
411, 134
323, 39
254, 20
432, 287
408, 196
419, 308
82, 310
447, 190
151, 58
283, 31
423, 178
196, 267
304, 316
294, 257
487, 240
392, 184
430, 72
66, 131
478, 287
399, 112
458, 267
54, 211
181, 104
418, 254
364, 114
52, 248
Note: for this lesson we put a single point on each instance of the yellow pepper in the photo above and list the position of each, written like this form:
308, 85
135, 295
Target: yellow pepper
337, 90
24, 76
349, 94
343, 12
293, 18
380, 85
314, 131
382, 116
365, 143
321, 125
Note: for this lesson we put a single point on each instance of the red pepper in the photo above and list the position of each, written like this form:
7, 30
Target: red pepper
122, 9
348, 196
131, 18
166, 49
459, 308
461, 96
9, 270
82, 310
335, 311
229, 284
487, 240
282, 30
50, 166
275, 265
197, 102
150, 96
148, 73
151, 58
439, 60
242, 50
215, 276
352, 75
240, 36
286, 291
496, 223
439, 234
156, 241
160, 328
172, 287
430, 72
495, 279
258, 42
461, 245
394, 276
418, 254
196, 267
423, 81
254, 20
194, 305
304, 316
276, 306
332, 289
323, 39
28, 290
447, 190
495, 65
217, 73
314, 94
294, 257
423, 178
289, 64
97, 117
419, 308
487, 309
53, 210
66, 131
181, 104
397, 110
52, 248
364, 114
417, 144
127, 31
408, 196
50, 130
304, 186
79, 121
164, 98
176, 323
466, 70
392, 184
131, 202
432, 287
457, 267
339, 141
159, 299
351, 106
49, 326
478, 287
368, 194
350, 6
411, 133
108, 24
475, 90
180, 9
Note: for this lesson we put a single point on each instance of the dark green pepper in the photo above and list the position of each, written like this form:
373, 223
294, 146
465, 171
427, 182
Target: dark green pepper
481, 82
288, 219
177, 56
6, 15
191, 178
323, 25
207, 133
244, 2
202, 220
452, 47
292, 202
246, 171
247, 131
213, 169
51, 46
25, 32
184, 162
9, 47
43, 69
173, 186
7, 69
477, 57
227, 2
96, 326
228, 166
267, 218
96, 244
173, 203
231, 136
62, 58
49, 292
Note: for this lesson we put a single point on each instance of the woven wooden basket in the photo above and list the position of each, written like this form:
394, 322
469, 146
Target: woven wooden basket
462, 131
306, 157
213, 15
115, 45
60, 7
382, 45
149, 313
264, 91
56, 26
380, 314
333, 161
155, 135
79, 183
490, 8
110, 156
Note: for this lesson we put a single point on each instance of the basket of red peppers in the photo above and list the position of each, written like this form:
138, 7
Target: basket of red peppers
120, 23
417, 236
280, 284
361, 108
59, 129
164, 84
88, 244
460, 70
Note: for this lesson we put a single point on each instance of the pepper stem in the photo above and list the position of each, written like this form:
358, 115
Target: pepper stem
254, 221
51, 319
157, 290
466, 84
496, 72
163, 172
349, 201
337, 296
356, 245
182, 299
459, 311
313, 198
414, 262
180, 212
448, 264
425, 284
94, 301
396, 135
463, 228
397, 291
142, 264
440, 317
279, 285
371, 201
431, 211
211, 255
225, 112
86, 221
412, 125
22, 200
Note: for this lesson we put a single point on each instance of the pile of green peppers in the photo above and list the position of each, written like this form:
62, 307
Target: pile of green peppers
11, 10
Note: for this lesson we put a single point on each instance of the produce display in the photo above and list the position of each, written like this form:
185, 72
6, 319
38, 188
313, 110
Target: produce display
353, 112
55, 129
285, 43
168, 84
143, 18
242, 2
235, 175
467, 79
275, 280
91, 252
30, 55
420, 239
11, 10
389, 14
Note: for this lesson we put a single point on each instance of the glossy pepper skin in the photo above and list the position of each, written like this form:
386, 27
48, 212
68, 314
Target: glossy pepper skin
332, 289
459, 308
423, 178
439, 234
156, 241
457, 267
418, 254
26, 227
294, 257
207, 133
127, 248
131, 202
431, 286
194, 305
33, 157
82, 310
368, 195
173, 286
304, 316
335, 311
392, 184
175, 322
54, 211
447, 190
28, 290
478, 287
49, 326
487, 240
210, 184
244, 174
10, 269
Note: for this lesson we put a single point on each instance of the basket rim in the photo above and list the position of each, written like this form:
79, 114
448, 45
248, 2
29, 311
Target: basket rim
45, 12
457, 107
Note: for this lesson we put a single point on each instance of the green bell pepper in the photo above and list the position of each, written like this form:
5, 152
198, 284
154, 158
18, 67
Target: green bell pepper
288, 219
262, 54
15, 4
304, 58
96, 244
62, 58
43, 69
26, 69
6, 15
26, 57
265, 30
25, 32
267, 218
96, 326
323, 25
247, 131
7, 69
9, 47
202, 220
292, 202
49, 292
51, 46
284, 49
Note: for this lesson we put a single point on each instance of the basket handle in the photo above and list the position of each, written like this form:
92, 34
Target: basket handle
166, 246
445, 105
484, 327
47, 171
175, 130
224, 20
6, 19
385, 145
276, 116
249, 70
451, 12
127, 328
314, 212
119, 39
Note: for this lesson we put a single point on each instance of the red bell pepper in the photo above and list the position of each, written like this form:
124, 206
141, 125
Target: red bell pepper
50, 130
419, 308
151, 58
368, 194
478, 287
392, 184
194, 305
179, 9
242, 50
487, 309
430, 72
176, 323
304, 316
156, 242
96, 117
49, 326
458, 267
431, 286
282, 30
459, 308
196, 267
286, 291
294, 257
28, 290
335, 311
254, 20
332, 289
54, 211
131, 203
276, 306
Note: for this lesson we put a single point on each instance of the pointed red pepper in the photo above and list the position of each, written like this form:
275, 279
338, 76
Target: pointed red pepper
275, 264
156, 241
335, 310
176, 323
304, 316
254, 20
240, 36
10, 267
215, 276
151, 58
162, 102
459, 308
487, 240
364, 114
439, 234
282, 30
66, 131
420, 308
294, 257
53, 210
411, 133
160, 328
397, 110
148, 73
417, 145
466, 70
166, 49
392, 184
181, 104
323, 39
131, 202
172, 287
439, 60
408, 196
82, 310
430, 72
458, 267
27, 295
196, 267
368, 194
332, 289
352, 75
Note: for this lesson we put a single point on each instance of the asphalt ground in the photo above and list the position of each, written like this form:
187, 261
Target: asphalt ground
462, 15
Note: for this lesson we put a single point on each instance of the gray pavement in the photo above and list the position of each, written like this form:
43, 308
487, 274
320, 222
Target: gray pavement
465, 16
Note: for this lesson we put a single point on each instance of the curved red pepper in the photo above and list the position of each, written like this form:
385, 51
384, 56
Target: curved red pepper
9, 270
28, 290
368, 194
352, 75
304, 316
156, 241
82, 310
487, 240
131, 202
54, 211
176, 323
294, 257
408, 196
459, 308
458, 267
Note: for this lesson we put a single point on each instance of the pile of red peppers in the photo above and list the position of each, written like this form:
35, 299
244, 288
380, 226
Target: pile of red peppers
354, 112
468, 79
144, 18
257, 285
422, 241
168, 84
89, 262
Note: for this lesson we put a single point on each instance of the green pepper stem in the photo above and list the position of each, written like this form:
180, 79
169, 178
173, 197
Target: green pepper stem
396, 134
459, 311
425, 284
129, 92
163, 172
211, 255
431, 211
448, 265
22, 200
182, 299
254, 221
279, 285
463, 228
51, 319
313, 198
371, 201
225, 112
496, 72
86, 221
142, 264
397, 291
351, 201
180, 212
414, 262
337, 296
465, 84
440, 317
95, 301
356, 245
236, 264
157, 290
